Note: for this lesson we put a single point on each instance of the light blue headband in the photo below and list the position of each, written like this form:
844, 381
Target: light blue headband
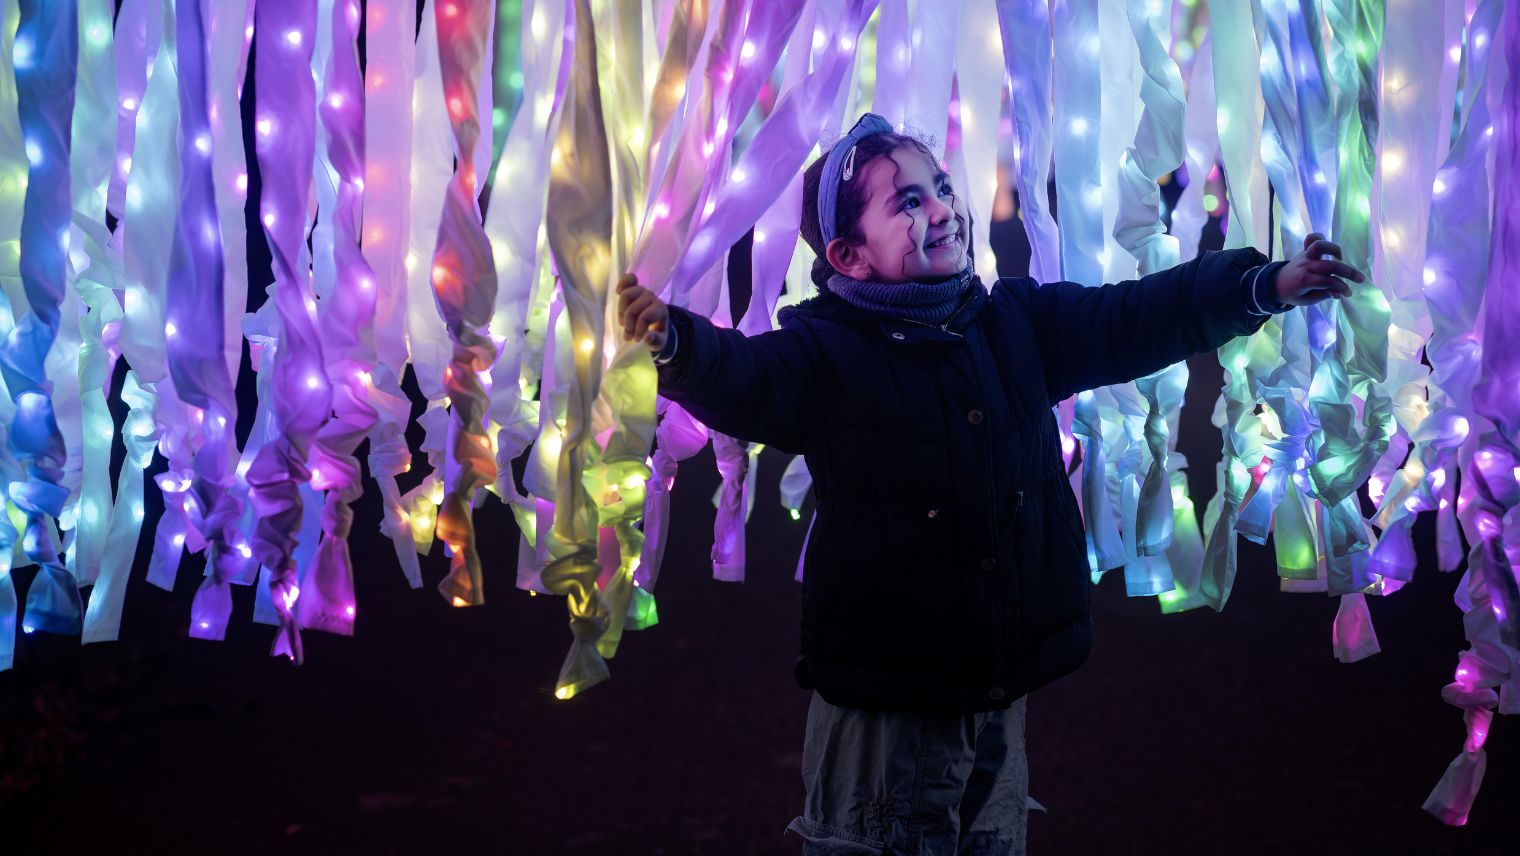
840, 166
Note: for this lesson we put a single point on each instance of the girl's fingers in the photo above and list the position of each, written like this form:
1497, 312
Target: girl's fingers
1322, 247
646, 317
629, 296
1334, 267
627, 280
1326, 284
632, 312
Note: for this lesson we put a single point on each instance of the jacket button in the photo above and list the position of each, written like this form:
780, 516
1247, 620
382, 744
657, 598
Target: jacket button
974, 417
996, 694
898, 336
933, 513
989, 564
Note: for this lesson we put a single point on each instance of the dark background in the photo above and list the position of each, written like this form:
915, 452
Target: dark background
435, 729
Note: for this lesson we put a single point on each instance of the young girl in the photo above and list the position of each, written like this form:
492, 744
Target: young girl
945, 574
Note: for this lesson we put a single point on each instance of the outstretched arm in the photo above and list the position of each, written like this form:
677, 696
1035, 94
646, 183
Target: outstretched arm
1092, 337
761, 388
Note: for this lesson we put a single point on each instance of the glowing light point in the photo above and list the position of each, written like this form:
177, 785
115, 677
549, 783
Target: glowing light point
747, 52
293, 38
1079, 126
312, 381
129, 103
170, 330
245, 551
459, 601
1430, 275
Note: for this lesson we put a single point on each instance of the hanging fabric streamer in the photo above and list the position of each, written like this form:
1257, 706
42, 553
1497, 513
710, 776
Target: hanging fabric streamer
299, 388
464, 286
44, 59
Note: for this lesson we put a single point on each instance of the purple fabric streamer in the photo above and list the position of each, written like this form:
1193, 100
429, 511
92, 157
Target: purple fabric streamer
779, 148
1027, 59
139, 24
1497, 394
45, 63
347, 338
300, 393
196, 361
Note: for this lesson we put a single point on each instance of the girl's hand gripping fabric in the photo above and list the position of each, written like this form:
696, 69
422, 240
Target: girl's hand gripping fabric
644, 316
1316, 274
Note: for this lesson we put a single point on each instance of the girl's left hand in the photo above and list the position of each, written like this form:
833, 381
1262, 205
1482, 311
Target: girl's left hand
1316, 274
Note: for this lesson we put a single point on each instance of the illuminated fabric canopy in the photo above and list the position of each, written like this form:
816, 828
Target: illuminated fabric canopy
460, 203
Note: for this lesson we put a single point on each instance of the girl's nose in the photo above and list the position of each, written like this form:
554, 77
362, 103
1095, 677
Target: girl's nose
940, 211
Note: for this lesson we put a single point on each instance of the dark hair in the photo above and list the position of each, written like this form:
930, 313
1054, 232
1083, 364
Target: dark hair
852, 196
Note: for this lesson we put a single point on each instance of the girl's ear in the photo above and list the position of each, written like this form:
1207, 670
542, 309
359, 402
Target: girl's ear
846, 258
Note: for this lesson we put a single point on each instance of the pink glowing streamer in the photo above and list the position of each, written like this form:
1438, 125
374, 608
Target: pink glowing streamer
387, 199
299, 391
464, 285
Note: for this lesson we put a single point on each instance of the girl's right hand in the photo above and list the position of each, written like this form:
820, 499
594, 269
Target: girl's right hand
644, 316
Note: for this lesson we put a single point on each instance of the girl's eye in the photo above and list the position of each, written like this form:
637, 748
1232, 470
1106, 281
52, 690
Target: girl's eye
946, 190
910, 202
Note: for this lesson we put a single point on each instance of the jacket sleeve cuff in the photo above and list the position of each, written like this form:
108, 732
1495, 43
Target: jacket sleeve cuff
667, 354
1260, 290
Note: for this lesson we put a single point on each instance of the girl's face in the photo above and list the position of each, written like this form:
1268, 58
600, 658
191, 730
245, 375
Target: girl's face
914, 225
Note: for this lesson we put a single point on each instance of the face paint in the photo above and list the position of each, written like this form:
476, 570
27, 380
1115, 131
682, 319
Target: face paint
913, 225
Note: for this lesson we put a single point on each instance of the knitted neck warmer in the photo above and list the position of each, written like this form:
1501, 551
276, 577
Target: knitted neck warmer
927, 303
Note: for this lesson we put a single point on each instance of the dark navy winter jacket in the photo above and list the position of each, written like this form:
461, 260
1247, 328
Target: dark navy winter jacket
947, 567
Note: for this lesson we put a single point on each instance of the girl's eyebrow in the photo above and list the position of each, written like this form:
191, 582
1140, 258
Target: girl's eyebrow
940, 177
